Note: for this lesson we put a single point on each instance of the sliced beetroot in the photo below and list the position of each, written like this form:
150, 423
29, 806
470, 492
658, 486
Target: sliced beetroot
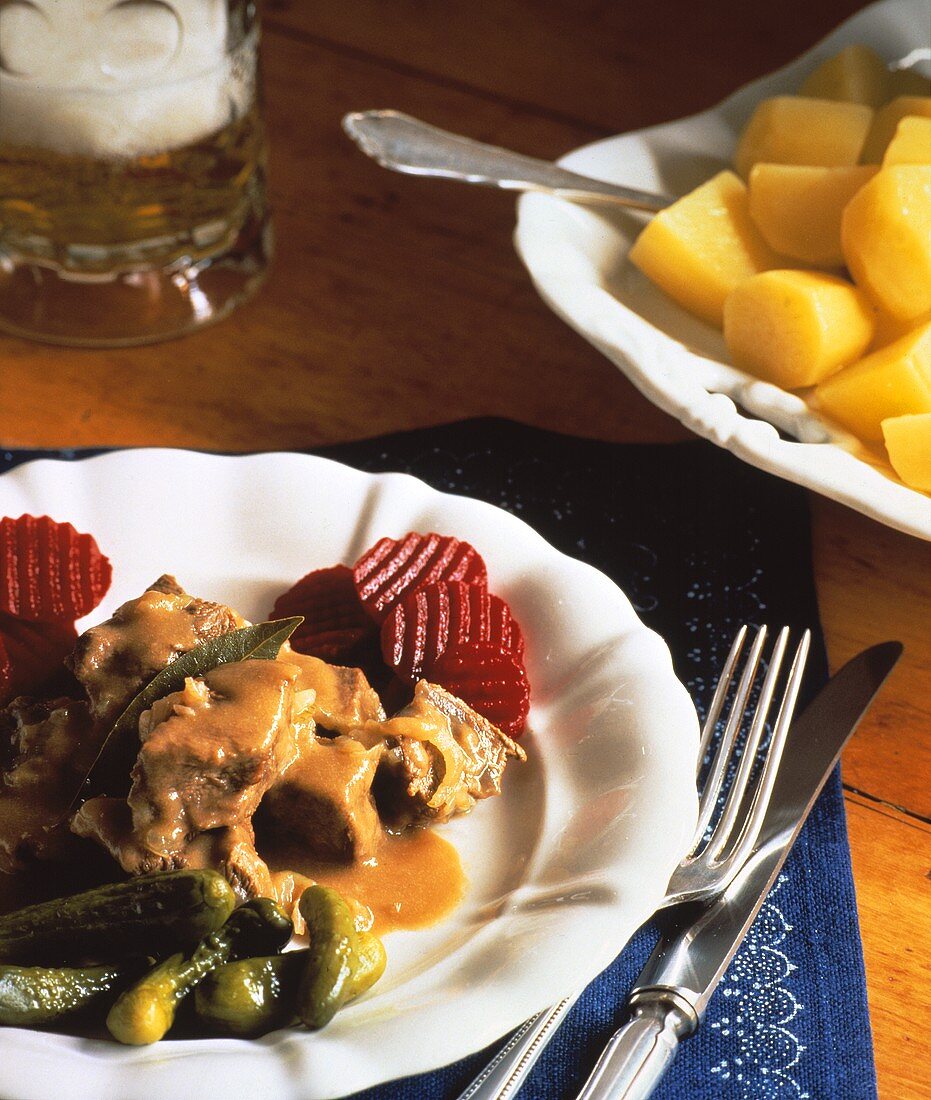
424, 623
416, 631
332, 645
31, 654
492, 682
326, 598
6, 674
336, 626
477, 615
49, 572
393, 567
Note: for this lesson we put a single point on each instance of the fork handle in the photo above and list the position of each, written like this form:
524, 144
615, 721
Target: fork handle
639, 1053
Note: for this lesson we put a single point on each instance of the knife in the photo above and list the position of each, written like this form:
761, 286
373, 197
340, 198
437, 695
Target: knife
672, 992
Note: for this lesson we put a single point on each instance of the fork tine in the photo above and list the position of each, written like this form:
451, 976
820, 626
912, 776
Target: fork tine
753, 818
720, 692
729, 814
718, 770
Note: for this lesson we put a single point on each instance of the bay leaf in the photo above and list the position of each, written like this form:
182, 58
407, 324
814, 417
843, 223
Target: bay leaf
109, 774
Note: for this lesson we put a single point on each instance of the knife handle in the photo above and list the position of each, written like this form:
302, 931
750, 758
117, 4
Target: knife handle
639, 1053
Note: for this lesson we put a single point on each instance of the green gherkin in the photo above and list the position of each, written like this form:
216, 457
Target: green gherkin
31, 996
148, 915
342, 962
146, 1011
251, 997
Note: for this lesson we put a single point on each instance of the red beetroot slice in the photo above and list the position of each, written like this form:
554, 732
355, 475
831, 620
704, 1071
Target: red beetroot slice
491, 682
6, 674
429, 620
48, 571
354, 648
326, 598
336, 626
477, 615
392, 567
31, 653
416, 631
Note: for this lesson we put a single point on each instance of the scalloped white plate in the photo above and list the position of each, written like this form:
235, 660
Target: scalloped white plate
577, 257
562, 868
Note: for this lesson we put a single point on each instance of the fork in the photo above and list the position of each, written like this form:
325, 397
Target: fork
720, 844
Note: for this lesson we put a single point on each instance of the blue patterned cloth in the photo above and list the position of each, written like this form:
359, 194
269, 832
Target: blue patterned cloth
700, 543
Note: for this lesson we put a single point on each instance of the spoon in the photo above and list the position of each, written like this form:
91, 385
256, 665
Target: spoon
406, 144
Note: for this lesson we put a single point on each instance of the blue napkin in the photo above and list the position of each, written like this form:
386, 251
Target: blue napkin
700, 542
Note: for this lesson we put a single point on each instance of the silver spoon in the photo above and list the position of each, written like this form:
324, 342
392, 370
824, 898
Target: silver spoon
406, 144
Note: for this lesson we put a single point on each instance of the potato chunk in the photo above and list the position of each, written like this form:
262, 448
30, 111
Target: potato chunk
855, 75
886, 121
894, 381
798, 208
886, 237
908, 443
701, 247
888, 329
794, 130
794, 328
911, 144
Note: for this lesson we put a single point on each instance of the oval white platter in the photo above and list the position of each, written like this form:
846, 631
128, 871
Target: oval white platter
577, 257
562, 868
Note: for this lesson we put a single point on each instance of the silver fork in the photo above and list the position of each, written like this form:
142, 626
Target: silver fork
717, 851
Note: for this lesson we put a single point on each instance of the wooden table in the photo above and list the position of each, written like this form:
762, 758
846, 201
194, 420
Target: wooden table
397, 303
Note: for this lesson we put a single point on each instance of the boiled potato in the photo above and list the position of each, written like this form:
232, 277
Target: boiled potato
855, 75
888, 329
794, 130
701, 247
838, 176
798, 208
886, 121
886, 238
795, 328
911, 144
908, 443
894, 381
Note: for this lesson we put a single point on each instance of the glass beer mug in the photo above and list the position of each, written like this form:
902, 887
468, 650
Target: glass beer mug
132, 167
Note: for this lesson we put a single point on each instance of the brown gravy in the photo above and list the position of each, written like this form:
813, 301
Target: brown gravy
412, 881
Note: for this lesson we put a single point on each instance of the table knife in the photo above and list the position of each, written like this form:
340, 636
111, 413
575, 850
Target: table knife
813, 746
672, 992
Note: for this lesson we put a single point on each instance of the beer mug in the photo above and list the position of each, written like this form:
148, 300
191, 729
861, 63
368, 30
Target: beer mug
132, 167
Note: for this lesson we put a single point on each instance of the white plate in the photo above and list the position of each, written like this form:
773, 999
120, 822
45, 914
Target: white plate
562, 868
577, 257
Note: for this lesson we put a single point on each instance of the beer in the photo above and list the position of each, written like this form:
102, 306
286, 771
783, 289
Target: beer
88, 213
131, 149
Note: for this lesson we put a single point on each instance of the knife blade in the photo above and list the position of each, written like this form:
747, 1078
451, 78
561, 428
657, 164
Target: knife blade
672, 991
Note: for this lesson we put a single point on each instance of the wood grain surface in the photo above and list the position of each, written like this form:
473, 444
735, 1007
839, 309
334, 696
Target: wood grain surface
396, 303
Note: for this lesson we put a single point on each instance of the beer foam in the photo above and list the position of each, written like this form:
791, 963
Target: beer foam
110, 80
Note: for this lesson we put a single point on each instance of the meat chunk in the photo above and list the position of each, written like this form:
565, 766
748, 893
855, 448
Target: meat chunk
440, 758
46, 749
323, 803
344, 698
109, 822
231, 851
209, 753
114, 660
